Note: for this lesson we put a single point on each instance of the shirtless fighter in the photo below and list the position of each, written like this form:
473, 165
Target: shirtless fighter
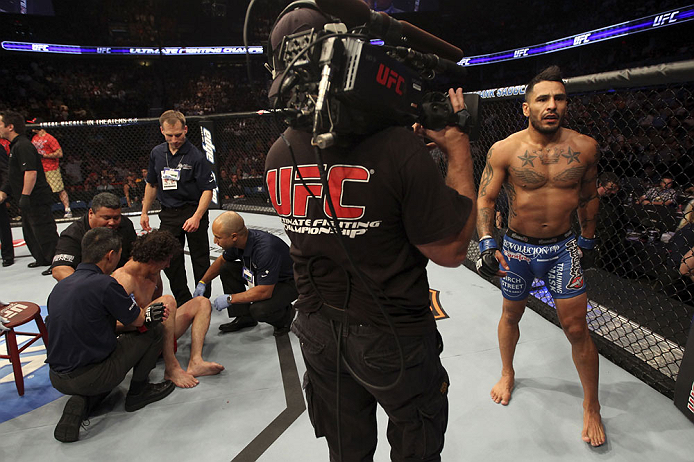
547, 171
141, 277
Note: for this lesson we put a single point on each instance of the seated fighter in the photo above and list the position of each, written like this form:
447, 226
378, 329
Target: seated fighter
141, 277
105, 212
261, 261
86, 358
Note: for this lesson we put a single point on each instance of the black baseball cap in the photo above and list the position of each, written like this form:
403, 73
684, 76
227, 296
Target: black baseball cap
298, 20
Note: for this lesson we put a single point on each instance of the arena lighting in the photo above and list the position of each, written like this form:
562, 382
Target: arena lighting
132, 51
654, 21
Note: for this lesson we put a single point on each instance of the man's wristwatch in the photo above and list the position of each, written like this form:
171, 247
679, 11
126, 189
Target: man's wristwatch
229, 299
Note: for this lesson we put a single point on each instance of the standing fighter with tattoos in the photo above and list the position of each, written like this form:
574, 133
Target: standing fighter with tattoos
547, 171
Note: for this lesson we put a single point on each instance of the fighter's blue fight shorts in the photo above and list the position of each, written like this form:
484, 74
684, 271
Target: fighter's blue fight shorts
555, 260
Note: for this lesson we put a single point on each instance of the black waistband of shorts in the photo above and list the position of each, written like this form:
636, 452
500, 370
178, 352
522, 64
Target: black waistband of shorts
538, 240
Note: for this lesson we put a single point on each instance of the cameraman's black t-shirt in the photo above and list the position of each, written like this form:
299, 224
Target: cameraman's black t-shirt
389, 196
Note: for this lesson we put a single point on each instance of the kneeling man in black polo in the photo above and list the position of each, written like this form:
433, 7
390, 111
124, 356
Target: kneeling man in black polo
86, 358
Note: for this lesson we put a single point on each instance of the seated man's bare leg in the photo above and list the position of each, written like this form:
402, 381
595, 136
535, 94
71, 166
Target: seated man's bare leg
173, 370
572, 316
196, 312
509, 333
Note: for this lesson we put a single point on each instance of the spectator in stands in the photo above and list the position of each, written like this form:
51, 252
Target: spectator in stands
223, 183
608, 184
687, 215
133, 191
234, 188
27, 183
661, 195
91, 182
609, 229
681, 250
104, 185
650, 175
50, 151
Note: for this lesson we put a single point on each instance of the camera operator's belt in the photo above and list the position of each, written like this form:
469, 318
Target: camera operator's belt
336, 314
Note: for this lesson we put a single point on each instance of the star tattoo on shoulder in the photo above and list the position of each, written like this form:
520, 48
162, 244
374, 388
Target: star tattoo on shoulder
571, 156
527, 159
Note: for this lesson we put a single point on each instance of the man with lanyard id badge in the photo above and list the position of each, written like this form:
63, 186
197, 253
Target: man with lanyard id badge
257, 276
181, 179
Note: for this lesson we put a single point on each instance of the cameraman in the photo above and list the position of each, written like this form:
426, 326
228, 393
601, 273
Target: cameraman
395, 214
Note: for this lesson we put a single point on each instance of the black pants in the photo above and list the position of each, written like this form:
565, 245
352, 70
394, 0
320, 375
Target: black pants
40, 233
6, 246
134, 350
417, 408
172, 220
271, 311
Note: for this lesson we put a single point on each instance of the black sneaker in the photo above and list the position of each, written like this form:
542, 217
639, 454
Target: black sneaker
237, 324
68, 428
286, 325
151, 393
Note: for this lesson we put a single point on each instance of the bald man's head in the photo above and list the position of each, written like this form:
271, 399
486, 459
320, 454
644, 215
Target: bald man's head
229, 230
229, 222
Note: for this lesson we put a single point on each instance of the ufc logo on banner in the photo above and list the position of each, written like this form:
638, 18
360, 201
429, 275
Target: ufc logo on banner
290, 197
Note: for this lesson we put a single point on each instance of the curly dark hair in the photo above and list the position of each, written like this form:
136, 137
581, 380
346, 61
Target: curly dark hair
155, 246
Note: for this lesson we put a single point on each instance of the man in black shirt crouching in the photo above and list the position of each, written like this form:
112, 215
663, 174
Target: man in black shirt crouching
86, 358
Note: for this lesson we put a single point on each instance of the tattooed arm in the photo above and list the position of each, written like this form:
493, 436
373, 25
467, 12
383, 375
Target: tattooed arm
589, 200
492, 179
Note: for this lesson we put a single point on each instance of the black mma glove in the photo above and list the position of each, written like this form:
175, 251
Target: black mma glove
25, 202
487, 264
154, 314
587, 248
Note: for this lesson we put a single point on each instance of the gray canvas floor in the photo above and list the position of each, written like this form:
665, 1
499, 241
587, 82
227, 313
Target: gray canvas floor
254, 409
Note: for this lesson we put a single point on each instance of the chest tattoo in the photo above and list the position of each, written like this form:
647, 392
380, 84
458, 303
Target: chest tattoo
527, 159
571, 156
570, 174
527, 176
550, 157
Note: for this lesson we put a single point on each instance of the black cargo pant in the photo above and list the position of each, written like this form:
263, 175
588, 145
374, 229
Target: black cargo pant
172, 220
6, 245
417, 407
40, 232
272, 311
134, 350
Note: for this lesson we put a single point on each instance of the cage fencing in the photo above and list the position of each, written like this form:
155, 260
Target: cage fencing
640, 305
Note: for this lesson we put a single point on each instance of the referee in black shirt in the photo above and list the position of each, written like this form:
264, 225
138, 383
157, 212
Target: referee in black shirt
181, 179
27, 183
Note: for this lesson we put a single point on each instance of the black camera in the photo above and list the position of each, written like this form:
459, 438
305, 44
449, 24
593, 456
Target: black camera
341, 84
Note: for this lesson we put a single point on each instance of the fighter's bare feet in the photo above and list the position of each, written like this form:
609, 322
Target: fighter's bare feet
593, 430
181, 378
198, 368
501, 392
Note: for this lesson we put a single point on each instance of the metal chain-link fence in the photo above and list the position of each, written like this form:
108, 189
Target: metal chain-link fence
640, 304
112, 155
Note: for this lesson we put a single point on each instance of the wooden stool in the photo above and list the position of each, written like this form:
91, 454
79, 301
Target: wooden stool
19, 313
